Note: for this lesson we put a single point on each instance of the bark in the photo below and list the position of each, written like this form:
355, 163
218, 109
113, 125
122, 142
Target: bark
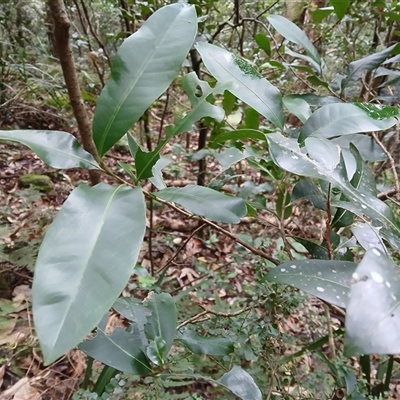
61, 35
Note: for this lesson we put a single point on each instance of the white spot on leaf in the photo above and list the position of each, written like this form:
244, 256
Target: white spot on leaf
376, 277
320, 289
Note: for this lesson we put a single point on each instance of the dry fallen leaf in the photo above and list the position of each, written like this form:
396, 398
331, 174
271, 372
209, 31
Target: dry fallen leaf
22, 390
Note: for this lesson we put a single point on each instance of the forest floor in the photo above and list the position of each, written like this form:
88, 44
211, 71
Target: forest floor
201, 262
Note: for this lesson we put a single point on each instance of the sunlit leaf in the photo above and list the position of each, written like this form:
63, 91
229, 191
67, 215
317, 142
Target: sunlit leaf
142, 70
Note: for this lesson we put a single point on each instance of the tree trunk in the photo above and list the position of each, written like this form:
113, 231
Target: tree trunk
61, 35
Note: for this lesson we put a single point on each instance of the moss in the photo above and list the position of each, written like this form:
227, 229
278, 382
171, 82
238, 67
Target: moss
246, 68
39, 182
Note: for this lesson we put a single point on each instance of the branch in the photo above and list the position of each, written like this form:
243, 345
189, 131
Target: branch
61, 34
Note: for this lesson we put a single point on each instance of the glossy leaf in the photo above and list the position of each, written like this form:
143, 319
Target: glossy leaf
142, 70
198, 91
56, 148
245, 82
368, 63
373, 314
341, 119
206, 202
120, 349
239, 382
366, 145
297, 106
84, 262
163, 319
368, 236
287, 154
294, 34
326, 279
340, 7
213, 346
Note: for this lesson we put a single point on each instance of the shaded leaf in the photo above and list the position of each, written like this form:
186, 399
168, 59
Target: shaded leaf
340, 7
206, 202
357, 68
201, 108
373, 314
245, 82
56, 148
143, 68
84, 262
120, 349
212, 346
306, 189
162, 321
326, 279
263, 42
239, 382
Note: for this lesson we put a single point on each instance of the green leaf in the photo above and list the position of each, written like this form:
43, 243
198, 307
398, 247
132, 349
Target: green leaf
294, 34
373, 314
263, 43
321, 13
241, 384
366, 145
326, 279
369, 63
240, 134
212, 346
297, 106
229, 157
206, 202
198, 91
155, 350
163, 320
142, 70
306, 189
377, 111
245, 82
84, 262
57, 149
341, 119
287, 154
368, 236
120, 349
340, 7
